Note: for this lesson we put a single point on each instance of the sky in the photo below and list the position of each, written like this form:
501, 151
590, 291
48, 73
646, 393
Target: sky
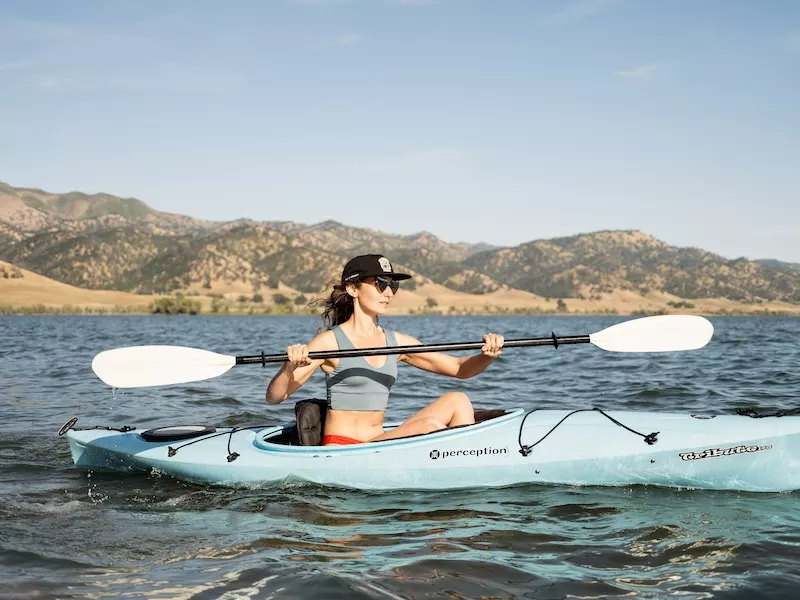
496, 121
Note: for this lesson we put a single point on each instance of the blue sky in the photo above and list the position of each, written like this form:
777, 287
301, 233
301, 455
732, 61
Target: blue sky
498, 121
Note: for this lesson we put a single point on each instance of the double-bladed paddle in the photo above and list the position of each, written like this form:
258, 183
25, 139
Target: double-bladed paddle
147, 366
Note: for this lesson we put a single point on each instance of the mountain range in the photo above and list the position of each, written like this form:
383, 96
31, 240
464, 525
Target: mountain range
102, 241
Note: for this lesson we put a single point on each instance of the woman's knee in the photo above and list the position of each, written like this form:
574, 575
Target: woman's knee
461, 409
458, 398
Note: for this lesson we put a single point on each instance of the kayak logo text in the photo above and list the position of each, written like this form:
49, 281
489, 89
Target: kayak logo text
476, 452
715, 452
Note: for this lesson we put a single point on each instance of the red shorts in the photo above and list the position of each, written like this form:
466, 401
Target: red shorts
339, 439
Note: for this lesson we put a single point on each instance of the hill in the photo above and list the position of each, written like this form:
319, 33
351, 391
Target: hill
593, 264
25, 211
22, 288
778, 264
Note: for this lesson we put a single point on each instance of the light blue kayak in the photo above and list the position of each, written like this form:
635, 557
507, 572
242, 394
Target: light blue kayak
587, 447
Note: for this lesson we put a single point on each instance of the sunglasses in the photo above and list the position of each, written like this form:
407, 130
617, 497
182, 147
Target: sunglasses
381, 284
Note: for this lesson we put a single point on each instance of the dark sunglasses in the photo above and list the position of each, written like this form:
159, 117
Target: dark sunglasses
381, 284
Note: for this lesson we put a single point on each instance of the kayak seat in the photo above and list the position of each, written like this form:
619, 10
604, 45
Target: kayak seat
489, 413
310, 421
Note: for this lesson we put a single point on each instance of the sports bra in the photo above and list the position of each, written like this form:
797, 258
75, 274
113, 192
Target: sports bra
355, 384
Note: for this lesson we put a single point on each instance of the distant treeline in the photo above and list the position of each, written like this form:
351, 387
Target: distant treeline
185, 306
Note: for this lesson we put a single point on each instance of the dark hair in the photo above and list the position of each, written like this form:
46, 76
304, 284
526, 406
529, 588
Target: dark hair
339, 306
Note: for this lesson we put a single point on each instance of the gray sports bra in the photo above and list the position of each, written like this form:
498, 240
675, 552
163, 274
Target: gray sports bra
355, 384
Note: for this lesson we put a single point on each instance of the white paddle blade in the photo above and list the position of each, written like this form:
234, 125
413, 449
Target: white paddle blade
146, 366
665, 333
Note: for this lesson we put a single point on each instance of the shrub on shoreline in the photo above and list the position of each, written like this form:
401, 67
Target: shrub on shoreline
175, 306
69, 309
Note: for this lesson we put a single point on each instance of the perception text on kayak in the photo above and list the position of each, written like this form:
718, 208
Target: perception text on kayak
436, 454
715, 452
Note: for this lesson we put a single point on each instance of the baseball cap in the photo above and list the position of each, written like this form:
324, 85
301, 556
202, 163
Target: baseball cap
369, 265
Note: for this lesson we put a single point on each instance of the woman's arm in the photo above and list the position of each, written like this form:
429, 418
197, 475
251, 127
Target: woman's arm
454, 366
298, 368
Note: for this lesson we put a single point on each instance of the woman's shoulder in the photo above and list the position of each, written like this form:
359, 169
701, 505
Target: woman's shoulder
403, 339
325, 340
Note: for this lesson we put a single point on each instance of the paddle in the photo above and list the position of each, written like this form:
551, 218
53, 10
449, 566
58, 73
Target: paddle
146, 366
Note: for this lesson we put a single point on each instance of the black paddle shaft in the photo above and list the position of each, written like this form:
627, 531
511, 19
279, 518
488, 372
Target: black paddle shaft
553, 340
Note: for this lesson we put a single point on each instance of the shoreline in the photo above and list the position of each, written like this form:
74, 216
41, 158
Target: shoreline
56, 311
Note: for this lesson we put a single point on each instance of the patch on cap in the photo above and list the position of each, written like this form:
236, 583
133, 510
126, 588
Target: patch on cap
385, 264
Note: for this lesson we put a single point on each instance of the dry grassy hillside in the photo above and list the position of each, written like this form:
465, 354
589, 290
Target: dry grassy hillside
103, 242
24, 291
21, 288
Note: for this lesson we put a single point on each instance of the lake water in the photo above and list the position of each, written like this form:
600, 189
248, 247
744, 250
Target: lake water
66, 533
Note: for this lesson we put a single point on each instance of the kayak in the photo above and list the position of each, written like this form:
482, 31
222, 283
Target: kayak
583, 447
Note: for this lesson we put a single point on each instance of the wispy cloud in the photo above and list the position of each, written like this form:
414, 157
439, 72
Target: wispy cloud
37, 31
178, 77
424, 161
167, 77
89, 57
791, 42
60, 41
327, 3
323, 3
16, 65
582, 9
349, 39
435, 158
641, 73
49, 81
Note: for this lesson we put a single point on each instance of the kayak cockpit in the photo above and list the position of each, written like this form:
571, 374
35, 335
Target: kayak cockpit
309, 425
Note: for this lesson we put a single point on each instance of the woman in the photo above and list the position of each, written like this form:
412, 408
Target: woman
358, 387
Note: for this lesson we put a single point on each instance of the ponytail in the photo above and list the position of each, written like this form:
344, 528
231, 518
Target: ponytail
339, 307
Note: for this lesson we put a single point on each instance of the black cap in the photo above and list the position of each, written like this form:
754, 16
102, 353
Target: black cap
369, 265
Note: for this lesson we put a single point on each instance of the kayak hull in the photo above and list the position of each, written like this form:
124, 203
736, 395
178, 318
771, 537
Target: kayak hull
589, 447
